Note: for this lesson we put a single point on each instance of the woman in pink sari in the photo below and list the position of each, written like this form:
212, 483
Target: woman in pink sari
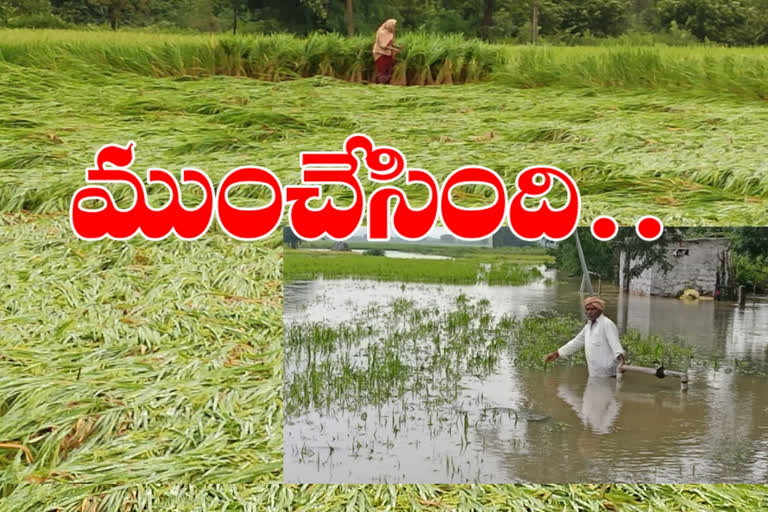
384, 51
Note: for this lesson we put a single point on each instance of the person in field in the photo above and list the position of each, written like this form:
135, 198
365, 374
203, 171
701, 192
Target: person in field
384, 51
600, 340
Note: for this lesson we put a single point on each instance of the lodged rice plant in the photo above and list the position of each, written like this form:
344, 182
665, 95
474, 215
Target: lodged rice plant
147, 376
685, 156
425, 59
136, 361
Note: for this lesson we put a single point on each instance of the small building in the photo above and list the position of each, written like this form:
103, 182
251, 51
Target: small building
701, 264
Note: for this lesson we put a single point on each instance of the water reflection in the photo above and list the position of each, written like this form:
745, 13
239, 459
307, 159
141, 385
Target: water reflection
643, 430
597, 407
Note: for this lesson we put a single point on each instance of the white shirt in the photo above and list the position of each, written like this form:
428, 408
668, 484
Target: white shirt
601, 346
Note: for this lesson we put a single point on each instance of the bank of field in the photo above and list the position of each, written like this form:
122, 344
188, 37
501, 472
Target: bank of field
134, 373
465, 266
529, 255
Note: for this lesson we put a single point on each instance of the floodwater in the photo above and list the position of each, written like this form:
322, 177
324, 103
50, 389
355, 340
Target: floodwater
559, 425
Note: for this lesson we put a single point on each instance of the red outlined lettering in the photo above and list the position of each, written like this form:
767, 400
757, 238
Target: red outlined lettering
473, 223
386, 209
327, 168
409, 223
112, 166
249, 223
544, 221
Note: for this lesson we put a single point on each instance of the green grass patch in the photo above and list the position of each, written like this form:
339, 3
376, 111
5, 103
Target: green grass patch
399, 498
301, 265
741, 72
531, 254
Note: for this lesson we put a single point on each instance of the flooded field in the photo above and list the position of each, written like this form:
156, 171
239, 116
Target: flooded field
395, 382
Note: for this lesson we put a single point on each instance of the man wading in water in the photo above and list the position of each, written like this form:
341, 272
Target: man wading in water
384, 51
600, 340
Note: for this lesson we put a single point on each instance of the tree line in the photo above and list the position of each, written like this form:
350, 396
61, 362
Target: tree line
570, 21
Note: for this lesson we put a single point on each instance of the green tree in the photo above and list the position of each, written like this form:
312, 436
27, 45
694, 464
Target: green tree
599, 256
25, 7
489, 6
750, 271
722, 21
504, 238
641, 255
290, 238
202, 16
598, 17
751, 241
350, 17
749, 259
603, 257
114, 12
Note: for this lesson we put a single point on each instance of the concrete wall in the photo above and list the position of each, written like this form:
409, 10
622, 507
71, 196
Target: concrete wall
695, 265
640, 284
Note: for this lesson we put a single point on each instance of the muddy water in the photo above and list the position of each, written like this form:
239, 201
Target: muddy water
558, 425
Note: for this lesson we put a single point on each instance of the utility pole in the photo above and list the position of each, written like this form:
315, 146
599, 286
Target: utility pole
584, 271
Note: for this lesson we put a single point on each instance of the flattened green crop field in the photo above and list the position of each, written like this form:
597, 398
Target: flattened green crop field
693, 154
135, 372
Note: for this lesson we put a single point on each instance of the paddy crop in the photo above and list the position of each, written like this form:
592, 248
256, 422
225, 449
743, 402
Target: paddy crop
311, 264
196, 408
470, 389
425, 59
323, 498
533, 255
704, 68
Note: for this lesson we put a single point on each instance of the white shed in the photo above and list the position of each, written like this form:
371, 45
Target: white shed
700, 263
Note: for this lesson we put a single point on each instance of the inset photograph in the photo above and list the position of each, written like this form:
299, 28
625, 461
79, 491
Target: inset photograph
504, 361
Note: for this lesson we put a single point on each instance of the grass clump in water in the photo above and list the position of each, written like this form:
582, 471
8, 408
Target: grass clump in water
536, 336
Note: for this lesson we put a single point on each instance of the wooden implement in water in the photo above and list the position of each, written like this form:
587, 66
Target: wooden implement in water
659, 372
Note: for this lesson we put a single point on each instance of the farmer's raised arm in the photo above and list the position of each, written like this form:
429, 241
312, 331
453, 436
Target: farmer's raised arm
569, 348
574, 345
